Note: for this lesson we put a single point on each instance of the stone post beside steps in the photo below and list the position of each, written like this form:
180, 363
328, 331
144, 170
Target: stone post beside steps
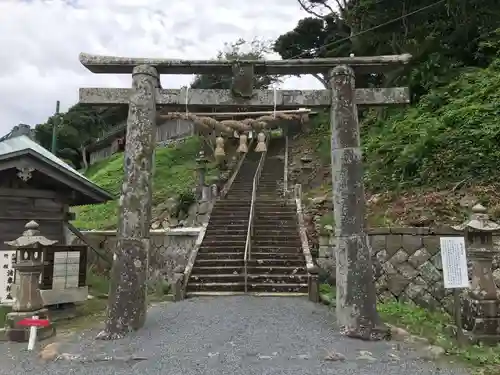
201, 167
178, 279
481, 308
313, 283
28, 299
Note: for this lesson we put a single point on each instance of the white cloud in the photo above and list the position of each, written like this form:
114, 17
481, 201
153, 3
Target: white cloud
40, 41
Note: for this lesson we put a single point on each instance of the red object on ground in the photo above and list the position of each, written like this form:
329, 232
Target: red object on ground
34, 322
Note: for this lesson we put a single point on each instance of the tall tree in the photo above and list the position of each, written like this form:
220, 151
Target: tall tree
76, 129
441, 35
239, 50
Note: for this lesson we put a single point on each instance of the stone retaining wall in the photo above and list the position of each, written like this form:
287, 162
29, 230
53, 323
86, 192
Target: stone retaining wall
169, 248
406, 263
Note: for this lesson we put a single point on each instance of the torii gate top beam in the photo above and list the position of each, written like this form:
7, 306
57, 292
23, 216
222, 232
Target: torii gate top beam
125, 65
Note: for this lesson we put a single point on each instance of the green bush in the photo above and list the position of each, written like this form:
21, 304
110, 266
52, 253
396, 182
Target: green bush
451, 135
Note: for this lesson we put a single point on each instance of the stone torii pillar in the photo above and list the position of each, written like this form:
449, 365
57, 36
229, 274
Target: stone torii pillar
127, 294
355, 290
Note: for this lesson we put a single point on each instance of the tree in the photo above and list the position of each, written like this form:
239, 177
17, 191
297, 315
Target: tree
443, 36
307, 39
238, 50
76, 129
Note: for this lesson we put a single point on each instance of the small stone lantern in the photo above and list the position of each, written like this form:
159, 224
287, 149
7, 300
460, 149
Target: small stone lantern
482, 306
28, 300
201, 167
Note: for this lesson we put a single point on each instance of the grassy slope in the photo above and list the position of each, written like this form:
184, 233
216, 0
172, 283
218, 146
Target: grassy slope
175, 173
421, 160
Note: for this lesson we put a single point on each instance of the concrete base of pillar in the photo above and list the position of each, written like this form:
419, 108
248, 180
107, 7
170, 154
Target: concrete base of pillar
17, 333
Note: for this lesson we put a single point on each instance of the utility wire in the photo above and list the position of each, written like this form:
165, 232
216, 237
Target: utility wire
335, 42
339, 41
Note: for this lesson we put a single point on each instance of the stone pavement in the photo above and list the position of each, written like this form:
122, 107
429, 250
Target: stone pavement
230, 335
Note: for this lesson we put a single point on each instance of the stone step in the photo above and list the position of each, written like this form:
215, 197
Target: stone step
219, 287
226, 263
228, 221
276, 236
278, 222
282, 243
225, 239
220, 255
259, 204
279, 209
238, 277
257, 226
226, 231
283, 262
276, 232
237, 205
256, 270
217, 278
220, 249
277, 248
221, 243
232, 202
198, 270
226, 228
230, 214
275, 215
278, 287
227, 216
278, 255
225, 212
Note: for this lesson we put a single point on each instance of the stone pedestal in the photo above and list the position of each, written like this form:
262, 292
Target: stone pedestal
28, 299
201, 163
481, 307
482, 320
306, 168
18, 333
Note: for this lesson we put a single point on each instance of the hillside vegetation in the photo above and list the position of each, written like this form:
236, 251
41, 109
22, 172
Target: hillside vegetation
174, 175
427, 162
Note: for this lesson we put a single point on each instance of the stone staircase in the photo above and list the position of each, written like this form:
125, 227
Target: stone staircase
219, 264
277, 263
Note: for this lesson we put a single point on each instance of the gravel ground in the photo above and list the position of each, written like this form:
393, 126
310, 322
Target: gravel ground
230, 335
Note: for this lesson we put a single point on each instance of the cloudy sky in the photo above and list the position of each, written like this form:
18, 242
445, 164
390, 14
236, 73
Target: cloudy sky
40, 41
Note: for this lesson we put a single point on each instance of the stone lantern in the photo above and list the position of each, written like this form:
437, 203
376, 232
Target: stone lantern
482, 306
28, 300
201, 167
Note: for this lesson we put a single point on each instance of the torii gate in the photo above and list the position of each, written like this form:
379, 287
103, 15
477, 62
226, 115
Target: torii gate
356, 297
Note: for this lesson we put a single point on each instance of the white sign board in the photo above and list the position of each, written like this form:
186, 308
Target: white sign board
454, 260
7, 258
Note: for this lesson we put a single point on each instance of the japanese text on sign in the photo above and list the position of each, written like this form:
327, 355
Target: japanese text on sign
454, 260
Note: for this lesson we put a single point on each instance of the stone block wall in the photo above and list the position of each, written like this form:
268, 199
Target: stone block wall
170, 248
406, 264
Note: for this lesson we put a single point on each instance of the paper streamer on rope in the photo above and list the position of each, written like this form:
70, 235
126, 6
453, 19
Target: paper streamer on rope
261, 143
243, 148
219, 147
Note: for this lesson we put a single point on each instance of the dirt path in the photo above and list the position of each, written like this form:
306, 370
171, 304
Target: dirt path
231, 335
